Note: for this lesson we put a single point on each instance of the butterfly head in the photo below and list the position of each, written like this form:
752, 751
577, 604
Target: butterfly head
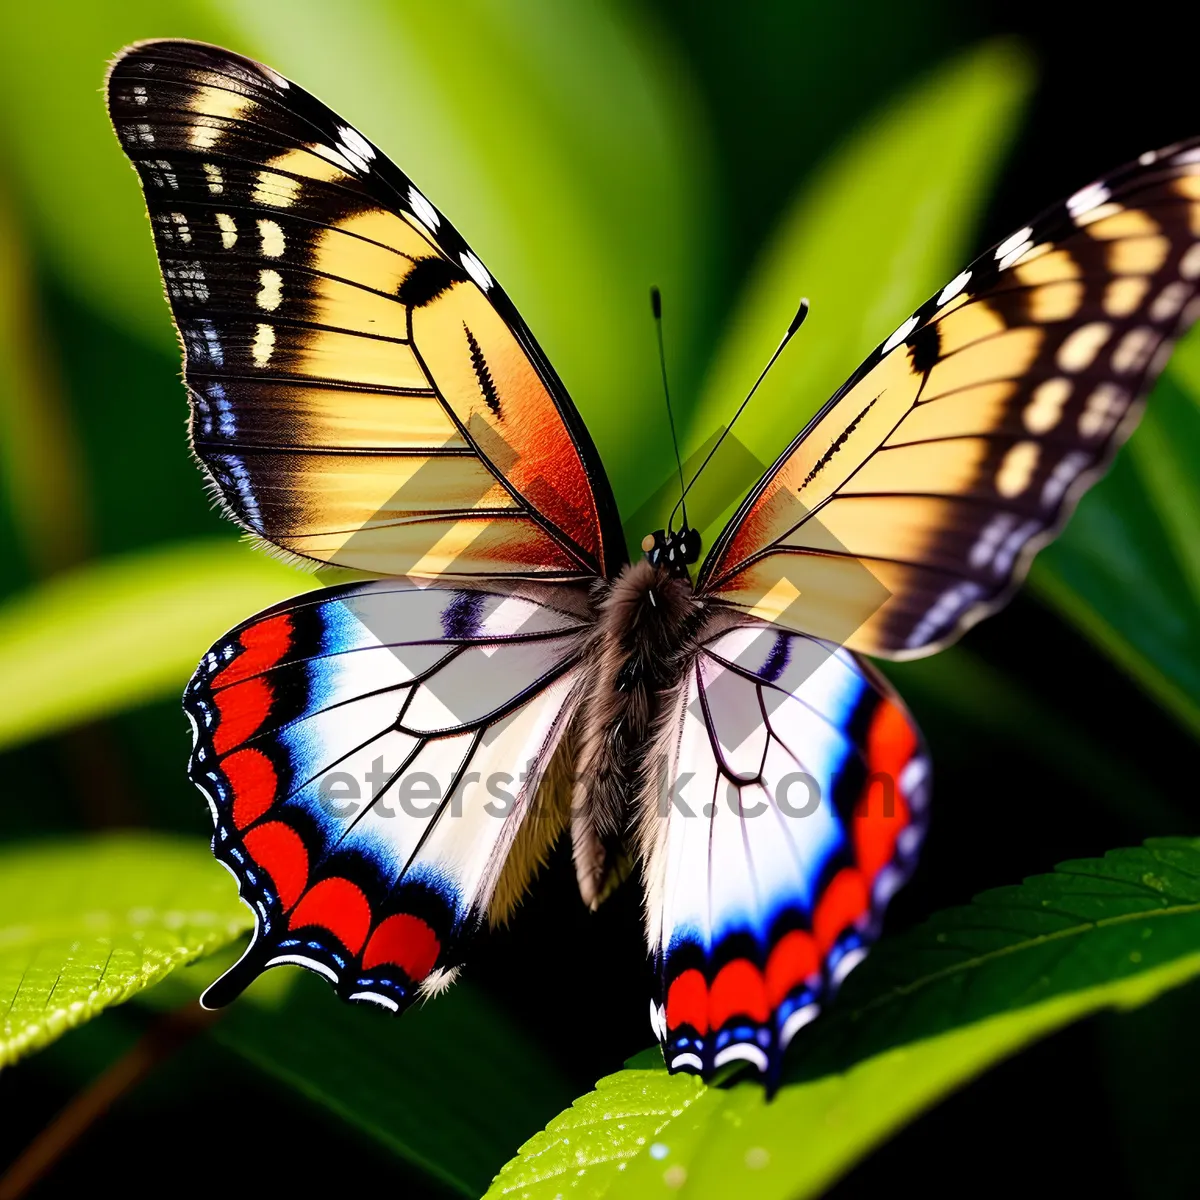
676, 551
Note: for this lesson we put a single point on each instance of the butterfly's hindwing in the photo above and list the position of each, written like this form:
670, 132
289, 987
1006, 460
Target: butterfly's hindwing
789, 807
363, 392
960, 445
370, 755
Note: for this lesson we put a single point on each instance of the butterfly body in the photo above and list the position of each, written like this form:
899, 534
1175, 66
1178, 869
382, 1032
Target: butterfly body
387, 763
646, 619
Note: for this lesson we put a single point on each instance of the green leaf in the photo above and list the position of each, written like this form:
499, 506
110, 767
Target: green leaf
69, 174
883, 226
1185, 365
125, 630
1164, 454
1126, 570
87, 924
929, 1010
1153, 1053
451, 1088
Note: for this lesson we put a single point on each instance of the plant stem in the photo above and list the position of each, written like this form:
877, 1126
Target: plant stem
162, 1040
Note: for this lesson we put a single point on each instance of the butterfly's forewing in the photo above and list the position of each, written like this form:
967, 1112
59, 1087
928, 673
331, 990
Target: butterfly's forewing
371, 756
787, 809
912, 504
363, 392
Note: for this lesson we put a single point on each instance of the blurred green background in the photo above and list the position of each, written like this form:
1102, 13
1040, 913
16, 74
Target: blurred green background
738, 158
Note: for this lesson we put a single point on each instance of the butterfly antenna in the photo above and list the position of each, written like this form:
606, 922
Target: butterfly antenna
797, 321
656, 309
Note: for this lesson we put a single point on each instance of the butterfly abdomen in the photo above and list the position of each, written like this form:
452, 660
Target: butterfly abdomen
642, 635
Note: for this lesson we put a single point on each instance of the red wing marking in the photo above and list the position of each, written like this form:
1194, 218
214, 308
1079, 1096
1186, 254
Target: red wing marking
242, 708
883, 813
405, 941
795, 960
337, 905
253, 780
737, 991
687, 1001
844, 902
277, 848
263, 645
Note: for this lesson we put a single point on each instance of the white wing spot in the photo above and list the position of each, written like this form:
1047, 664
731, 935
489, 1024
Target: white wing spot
913, 777
1105, 407
181, 227
163, 175
355, 142
264, 345
947, 608
1134, 349
187, 281
1088, 198
990, 539
301, 960
356, 148
745, 1051
899, 335
846, 964
1004, 558
476, 270
271, 237
1189, 264
228, 229
270, 295
955, 286
423, 210
1017, 252
1063, 475
376, 998
796, 1021
1010, 244
1169, 301
212, 341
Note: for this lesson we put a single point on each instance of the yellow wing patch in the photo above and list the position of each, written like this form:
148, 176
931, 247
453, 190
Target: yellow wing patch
917, 496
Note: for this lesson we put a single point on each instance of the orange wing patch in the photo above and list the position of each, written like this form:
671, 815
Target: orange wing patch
496, 395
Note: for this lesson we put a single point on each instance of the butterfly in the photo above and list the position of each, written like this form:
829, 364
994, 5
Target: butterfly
389, 761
